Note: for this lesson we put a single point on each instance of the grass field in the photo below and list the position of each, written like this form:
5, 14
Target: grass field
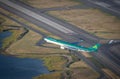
84, 73
55, 75
111, 74
55, 63
79, 64
1, 20
12, 38
5, 23
50, 3
28, 45
93, 21
80, 70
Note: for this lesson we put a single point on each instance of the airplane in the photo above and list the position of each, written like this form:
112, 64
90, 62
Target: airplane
70, 46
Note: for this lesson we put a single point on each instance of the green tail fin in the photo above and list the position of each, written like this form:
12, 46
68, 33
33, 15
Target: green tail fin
96, 46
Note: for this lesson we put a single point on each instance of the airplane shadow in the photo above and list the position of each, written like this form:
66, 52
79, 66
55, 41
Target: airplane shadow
41, 42
50, 47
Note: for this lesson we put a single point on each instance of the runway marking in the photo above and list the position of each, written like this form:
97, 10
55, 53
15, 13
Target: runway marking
38, 17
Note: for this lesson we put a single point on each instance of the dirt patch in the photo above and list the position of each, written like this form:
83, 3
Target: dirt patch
79, 64
84, 74
86, 54
93, 21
